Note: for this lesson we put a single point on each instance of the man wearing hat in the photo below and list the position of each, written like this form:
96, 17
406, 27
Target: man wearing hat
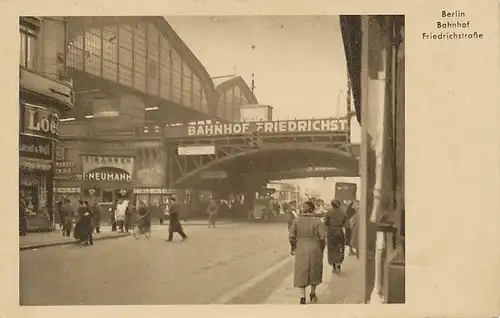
174, 223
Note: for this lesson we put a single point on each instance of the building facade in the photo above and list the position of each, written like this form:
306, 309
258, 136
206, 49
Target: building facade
45, 94
375, 53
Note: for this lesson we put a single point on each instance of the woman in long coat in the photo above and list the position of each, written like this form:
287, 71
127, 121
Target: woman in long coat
79, 232
307, 240
334, 221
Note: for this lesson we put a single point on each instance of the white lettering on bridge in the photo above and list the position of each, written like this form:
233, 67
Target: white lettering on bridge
269, 127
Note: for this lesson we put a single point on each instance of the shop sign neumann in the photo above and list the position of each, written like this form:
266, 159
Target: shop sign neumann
108, 176
40, 121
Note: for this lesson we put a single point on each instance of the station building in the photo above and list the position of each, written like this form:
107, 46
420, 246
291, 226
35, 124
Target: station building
132, 74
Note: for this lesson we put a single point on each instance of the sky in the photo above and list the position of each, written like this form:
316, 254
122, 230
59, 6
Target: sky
298, 61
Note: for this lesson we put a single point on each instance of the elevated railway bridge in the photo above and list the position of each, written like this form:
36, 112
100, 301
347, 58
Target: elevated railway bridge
240, 157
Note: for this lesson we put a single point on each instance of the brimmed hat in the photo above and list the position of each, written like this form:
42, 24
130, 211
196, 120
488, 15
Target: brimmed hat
336, 203
310, 204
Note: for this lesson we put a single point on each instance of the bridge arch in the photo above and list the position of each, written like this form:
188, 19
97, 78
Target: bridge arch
247, 163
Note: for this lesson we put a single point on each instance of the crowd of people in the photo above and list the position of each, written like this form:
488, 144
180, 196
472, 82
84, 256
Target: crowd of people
311, 232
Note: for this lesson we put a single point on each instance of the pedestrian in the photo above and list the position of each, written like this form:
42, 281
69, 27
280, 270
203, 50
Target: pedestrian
307, 241
79, 232
292, 214
120, 214
355, 230
129, 217
162, 208
144, 220
348, 226
112, 211
59, 205
87, 226
335, 220
96, 216
23, 223
212, 210
174, 225
66, 214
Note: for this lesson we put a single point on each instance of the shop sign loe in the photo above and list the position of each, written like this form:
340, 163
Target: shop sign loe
40, 121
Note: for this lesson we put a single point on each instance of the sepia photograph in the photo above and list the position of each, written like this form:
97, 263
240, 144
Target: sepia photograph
211, 160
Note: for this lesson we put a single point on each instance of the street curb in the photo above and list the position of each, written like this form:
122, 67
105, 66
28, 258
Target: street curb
43, 245
241, 289
198, 223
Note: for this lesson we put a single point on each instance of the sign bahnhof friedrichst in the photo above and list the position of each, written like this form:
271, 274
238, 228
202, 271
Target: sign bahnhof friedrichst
268, 127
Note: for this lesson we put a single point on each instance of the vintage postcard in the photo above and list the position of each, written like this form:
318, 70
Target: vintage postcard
240, 153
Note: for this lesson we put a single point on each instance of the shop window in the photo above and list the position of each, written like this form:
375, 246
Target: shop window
27, 52
107, 195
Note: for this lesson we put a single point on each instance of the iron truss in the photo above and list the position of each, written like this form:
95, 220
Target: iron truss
180, 167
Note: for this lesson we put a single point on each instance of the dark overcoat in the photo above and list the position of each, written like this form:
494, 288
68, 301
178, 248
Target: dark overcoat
308, 233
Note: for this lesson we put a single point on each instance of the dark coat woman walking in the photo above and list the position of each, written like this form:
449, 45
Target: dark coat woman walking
334, 222
307, 240
79, 232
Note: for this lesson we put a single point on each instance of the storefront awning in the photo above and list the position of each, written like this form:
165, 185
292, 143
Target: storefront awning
35, 164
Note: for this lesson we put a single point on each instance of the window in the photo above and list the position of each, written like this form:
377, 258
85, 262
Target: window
204, 103
165, 51
107, 195
125, 74
110, 53
196, 93
110, 44
220, 106
125, 37
140, 72
237, 95
152, 78
153, 34
27, 52
75, 52
186, 85
164, 82
153, 52
228, 111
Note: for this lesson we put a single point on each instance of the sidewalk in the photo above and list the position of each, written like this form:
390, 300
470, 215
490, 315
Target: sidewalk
45, 239
346, 288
